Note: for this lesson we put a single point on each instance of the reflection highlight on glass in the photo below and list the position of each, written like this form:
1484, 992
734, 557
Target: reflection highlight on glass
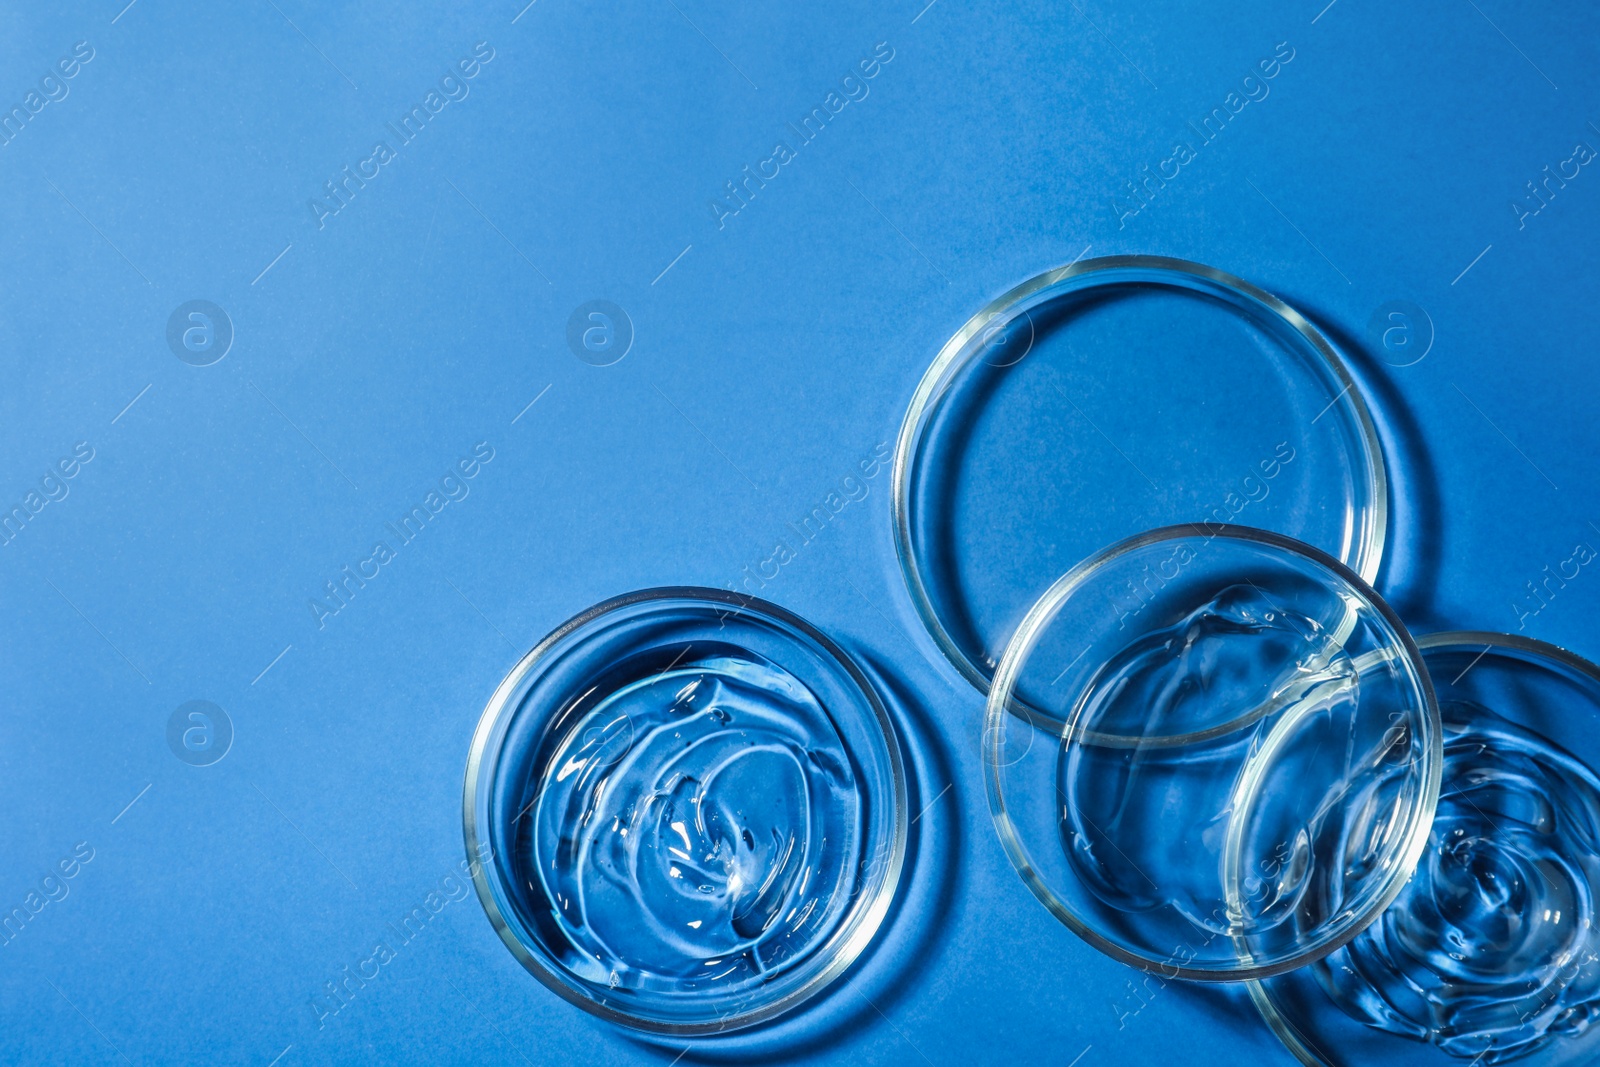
696, 805
1491, 952
1212, 752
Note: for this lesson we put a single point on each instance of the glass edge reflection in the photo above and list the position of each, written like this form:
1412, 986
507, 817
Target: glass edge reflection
1466, 641
1370, 540
863, 919
1000, 706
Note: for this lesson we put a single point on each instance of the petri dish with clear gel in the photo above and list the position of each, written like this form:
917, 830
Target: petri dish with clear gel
691, 809
1111, 396
1231, 756
1491, 954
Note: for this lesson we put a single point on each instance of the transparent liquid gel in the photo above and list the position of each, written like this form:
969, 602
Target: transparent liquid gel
692, 829
1491, 952
1258, 824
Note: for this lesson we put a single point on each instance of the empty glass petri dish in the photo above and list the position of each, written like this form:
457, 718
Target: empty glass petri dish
1111, 396
1491, 953
689, 811
1229, 757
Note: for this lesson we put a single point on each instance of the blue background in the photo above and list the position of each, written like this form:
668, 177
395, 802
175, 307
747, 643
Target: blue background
770, 355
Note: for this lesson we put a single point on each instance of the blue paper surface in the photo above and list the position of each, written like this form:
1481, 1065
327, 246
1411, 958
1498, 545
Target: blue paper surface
387, 312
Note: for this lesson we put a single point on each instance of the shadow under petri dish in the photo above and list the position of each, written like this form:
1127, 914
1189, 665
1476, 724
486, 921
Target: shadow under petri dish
1115, 396
1491, 953
694, 809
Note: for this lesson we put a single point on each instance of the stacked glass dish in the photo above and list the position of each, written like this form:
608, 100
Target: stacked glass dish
1211, 749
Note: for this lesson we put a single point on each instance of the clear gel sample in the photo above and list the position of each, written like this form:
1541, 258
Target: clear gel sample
1241, 653
1489, 951
690, 811
1212, 752
694, 827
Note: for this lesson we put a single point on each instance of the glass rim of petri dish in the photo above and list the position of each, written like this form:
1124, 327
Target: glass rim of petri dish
1366, 541
869, 903
1464, 641
1002, 707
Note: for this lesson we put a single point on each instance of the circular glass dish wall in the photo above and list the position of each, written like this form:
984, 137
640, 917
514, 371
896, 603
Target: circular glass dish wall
689, 811
1108, 397
1231, 756
1491, 954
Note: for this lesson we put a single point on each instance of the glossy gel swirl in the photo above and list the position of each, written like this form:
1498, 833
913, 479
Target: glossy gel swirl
693, 828
1491, 952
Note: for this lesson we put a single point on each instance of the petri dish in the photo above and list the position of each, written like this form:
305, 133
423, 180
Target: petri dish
1111, 396
1232, 758
687, 809
1491, 954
